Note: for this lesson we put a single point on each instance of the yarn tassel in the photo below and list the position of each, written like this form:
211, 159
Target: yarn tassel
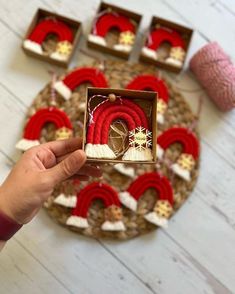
77, 221
135, 154
99, 151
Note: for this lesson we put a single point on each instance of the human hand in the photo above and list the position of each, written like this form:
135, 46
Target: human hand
35, 175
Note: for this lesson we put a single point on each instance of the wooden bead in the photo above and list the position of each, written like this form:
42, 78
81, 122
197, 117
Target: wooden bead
112, 97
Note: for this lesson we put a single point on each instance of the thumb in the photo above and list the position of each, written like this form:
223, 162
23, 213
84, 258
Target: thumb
68, 167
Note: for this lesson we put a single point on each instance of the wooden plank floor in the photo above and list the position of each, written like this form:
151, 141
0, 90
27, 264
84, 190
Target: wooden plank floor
197, 253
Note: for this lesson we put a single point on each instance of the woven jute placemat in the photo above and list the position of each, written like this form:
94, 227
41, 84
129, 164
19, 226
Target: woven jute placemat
119, 74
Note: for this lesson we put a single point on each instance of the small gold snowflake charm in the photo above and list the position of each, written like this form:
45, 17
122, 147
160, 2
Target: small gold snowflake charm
177, 53
163, 209
64, 48
161, 106
186, 161
113, 213
63, 133
127, 38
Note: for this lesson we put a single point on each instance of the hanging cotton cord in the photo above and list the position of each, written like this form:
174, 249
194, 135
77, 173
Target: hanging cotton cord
80, 124
215, 71
52, 89
91, 112
197, 116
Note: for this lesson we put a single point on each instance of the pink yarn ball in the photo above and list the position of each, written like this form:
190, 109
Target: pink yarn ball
215, 71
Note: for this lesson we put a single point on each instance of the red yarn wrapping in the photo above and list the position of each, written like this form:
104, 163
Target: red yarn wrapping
105, 131
85, 74
113, 113
150, 83
158, 36
107, 112
180, 135
46, 115
108, 21
50, 26
152, 180
94, 191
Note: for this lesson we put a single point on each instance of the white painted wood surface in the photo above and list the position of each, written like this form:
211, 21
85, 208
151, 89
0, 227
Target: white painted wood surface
197, 253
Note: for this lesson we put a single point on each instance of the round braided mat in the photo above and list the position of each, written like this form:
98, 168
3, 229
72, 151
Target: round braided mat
118, 74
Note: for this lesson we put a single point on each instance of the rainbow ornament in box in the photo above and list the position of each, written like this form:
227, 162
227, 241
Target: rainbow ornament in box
113, 108
52, 37
130, 200
111, 17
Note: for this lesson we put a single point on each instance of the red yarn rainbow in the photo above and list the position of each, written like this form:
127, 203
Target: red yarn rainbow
180, 135
106, 113
108, 21
160, 35
150, 83
36, 122
85, 74
92, 192
152, 180
50, 26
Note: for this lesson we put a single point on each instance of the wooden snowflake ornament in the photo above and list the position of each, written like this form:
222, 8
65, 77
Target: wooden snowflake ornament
63, 50
176, 56
140, 141
127, 38
163, 206
187, 160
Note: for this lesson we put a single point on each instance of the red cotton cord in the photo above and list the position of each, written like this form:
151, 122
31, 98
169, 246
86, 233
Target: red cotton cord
150, 83
51, 26
85, 74
107, 112
160, 35
111, 20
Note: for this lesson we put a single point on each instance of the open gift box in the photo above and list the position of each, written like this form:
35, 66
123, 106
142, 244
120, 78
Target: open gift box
120, 126
166, 44
114, 30
52, 37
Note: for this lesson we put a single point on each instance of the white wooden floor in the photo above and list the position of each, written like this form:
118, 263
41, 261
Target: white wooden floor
197, 253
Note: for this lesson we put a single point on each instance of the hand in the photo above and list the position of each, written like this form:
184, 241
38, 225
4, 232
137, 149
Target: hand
35, 175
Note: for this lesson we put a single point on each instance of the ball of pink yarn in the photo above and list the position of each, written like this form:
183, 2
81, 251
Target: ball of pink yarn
215, 71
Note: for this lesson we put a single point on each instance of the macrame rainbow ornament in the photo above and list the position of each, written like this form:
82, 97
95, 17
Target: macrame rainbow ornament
102, 116
42, 30
163, 207
159, 35
36, 122
152, 83
190, 153
108, 20
113, 211
91, 75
